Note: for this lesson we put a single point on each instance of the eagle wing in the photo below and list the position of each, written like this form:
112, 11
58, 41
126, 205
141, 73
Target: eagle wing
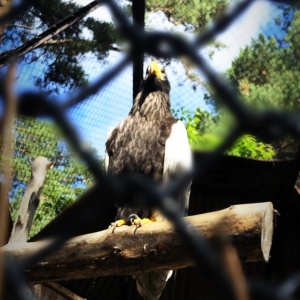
178, 160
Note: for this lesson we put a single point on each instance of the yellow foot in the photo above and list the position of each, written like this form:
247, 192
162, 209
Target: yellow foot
140, 222
118, 223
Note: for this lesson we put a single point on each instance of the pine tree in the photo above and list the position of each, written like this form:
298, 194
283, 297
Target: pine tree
192, 12
266, 74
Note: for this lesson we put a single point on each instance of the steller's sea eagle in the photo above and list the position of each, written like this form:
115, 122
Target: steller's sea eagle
150, 141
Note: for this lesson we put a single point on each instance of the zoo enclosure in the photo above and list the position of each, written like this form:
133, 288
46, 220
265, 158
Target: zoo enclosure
267, 125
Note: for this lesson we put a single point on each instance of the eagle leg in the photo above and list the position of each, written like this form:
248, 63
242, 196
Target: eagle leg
117, 223
138, 222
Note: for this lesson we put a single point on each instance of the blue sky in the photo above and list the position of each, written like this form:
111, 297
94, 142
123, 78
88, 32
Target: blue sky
109, 106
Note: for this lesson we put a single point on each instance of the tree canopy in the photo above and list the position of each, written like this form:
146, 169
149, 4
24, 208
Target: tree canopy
266, 74
60, 55
193, 12
63, 69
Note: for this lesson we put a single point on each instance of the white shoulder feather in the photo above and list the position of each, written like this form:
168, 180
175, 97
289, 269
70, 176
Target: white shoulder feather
106, 160
178, 154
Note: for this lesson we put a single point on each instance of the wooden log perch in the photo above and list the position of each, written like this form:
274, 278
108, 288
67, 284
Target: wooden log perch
154, 246
30, 200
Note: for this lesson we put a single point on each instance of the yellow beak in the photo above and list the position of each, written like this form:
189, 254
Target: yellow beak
155, 69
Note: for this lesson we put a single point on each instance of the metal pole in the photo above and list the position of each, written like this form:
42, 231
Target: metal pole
138, 14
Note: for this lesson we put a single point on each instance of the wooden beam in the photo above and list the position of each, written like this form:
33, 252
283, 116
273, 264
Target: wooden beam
7, 144
153, 246
30, 200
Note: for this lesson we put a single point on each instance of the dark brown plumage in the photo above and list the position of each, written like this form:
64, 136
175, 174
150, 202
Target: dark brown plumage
137, 145
151, 142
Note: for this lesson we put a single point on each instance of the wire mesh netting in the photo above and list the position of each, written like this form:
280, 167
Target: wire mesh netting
234, 84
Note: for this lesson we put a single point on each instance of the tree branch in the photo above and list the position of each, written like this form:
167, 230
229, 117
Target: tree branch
63, 41
48, 34
20, 26
152, 247
60, 41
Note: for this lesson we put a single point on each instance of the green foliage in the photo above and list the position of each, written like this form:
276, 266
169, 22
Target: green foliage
64, 183
254, 66
207, 131
194, 12
249, 146
267, 73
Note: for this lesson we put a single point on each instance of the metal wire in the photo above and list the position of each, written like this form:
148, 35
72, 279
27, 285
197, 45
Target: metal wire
268, 125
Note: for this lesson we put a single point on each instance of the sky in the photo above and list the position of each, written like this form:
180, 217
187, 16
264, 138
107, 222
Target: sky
107, 108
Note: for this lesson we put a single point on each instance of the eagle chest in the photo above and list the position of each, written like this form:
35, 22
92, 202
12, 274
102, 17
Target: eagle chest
138, 146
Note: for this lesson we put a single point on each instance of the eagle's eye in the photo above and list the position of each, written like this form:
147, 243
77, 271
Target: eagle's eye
147, 71
163, 71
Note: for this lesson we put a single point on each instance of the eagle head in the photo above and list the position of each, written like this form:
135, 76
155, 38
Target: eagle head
155, 79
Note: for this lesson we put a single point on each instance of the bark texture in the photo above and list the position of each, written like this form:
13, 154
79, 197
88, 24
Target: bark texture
153, 247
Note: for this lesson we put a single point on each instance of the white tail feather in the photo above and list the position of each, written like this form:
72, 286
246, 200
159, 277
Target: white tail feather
151, 284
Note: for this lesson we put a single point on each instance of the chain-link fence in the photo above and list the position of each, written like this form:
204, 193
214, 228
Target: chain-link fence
263, 75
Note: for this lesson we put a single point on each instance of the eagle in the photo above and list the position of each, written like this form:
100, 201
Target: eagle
150, 142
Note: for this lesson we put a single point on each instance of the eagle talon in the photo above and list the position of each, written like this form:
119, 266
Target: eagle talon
116, 224
113, 225
137, 226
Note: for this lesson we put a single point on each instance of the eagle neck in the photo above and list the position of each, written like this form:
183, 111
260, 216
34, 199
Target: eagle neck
155, 106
